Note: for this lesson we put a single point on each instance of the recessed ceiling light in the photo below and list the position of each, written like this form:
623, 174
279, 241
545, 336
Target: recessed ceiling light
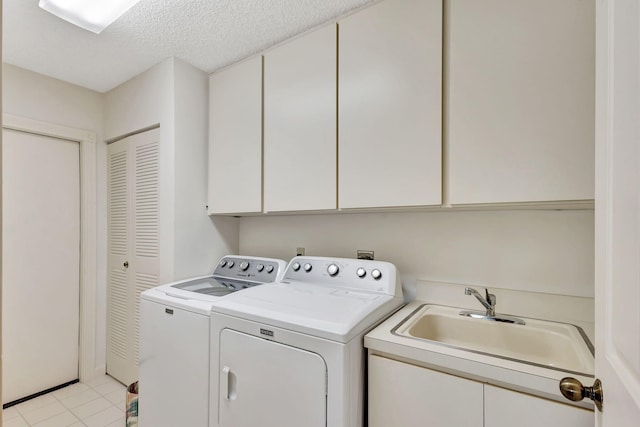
92, 15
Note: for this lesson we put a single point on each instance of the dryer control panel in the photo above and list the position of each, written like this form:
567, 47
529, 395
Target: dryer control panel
368, 275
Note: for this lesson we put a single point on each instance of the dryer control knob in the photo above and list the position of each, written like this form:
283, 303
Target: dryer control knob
361, 272
223, 263
244, 265
231, 264
260, 267
333, 269
376, 274
269, 269
296, 266
307, 267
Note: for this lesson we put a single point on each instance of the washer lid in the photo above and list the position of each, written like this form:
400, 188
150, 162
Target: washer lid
336, 314
216, 287
198, 291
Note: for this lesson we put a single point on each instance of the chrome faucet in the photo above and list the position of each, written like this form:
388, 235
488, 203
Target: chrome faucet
489, 302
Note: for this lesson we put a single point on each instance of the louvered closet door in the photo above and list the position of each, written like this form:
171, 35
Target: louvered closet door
133, 263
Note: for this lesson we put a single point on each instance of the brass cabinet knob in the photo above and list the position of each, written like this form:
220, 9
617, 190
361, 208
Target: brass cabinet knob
573, 390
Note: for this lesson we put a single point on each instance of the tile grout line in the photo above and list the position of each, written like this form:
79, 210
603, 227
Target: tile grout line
112, 389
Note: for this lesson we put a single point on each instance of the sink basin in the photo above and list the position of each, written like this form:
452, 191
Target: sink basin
548, 344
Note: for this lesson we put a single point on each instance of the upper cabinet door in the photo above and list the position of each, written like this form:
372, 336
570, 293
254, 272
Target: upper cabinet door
390, 98
300, 123
520, 104
235, 139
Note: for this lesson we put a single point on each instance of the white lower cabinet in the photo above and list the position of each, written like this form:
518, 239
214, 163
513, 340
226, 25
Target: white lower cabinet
401, 394
506, 408
405, 395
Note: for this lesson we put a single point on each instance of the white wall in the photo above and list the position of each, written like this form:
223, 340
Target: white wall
43, 98
539, 251
174, 95
39, 97
144, 101
207, 238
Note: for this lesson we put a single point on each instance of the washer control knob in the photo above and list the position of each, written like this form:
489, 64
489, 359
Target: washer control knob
269, 269
307, 267
223, 263
361, 272
231, 264
244, 265
333, 269
260, 267
376, 274
296, 266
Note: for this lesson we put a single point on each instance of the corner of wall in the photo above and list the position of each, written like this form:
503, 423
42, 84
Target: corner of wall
200, 240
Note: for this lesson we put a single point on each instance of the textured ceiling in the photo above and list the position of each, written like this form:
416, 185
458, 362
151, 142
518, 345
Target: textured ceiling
208, 34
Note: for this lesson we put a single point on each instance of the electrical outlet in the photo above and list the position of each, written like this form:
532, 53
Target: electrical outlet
299, 251
362, 254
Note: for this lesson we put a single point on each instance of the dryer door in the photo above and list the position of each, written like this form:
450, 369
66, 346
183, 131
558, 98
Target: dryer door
267, 384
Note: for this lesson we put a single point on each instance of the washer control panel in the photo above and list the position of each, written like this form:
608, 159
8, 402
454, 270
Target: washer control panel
256, 269
377, 276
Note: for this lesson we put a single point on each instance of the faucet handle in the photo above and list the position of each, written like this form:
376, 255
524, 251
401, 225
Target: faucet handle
491, 298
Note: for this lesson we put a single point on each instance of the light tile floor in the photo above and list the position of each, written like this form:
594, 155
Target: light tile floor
98, 403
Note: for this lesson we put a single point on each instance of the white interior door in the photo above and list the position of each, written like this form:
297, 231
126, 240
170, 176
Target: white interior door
618, 211
41, 263
267, 384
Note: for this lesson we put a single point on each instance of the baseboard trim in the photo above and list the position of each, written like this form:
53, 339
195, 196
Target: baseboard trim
38, 394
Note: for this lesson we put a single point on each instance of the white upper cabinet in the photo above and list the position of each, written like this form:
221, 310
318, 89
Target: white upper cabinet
300, 123
520, 100
390, 98
414, 104
235, 139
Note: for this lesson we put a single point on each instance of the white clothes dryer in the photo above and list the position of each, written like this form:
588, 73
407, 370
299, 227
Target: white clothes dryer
291, 353
174, 339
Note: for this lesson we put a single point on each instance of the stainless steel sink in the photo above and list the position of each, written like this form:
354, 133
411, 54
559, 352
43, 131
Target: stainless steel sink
548, 344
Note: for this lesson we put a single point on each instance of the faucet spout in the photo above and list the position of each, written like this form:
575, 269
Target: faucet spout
488, 302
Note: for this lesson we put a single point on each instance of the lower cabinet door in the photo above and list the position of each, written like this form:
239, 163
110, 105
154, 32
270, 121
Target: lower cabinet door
506, 408
405, 395
267, 384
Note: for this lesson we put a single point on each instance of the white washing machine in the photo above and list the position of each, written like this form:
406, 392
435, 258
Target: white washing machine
174, 340
291, 354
